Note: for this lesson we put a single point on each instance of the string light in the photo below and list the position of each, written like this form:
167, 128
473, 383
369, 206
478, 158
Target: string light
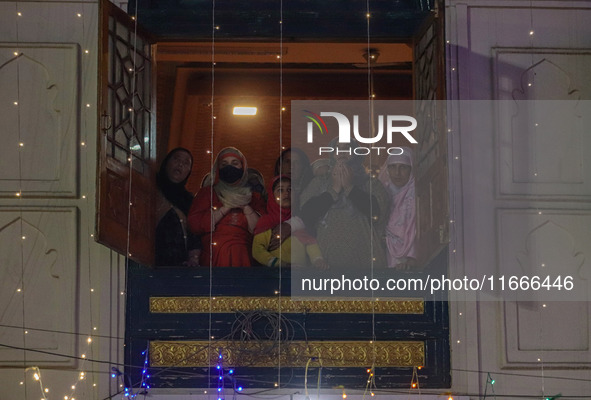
220, 375
371, 382
414, 381
489, 381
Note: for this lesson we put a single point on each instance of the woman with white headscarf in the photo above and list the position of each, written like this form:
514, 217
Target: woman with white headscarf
225, 212
397, 177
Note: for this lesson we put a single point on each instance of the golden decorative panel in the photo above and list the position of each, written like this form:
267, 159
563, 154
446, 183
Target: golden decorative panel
293, 354
229, 304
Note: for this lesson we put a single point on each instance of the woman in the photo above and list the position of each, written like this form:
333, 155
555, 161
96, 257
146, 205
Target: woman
174, 244
397, 177
226, 212
343, 209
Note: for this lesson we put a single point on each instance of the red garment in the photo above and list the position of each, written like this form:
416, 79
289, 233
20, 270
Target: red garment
275, 214
232, 242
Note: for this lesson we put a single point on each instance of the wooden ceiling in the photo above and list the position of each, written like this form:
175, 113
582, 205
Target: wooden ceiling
302, 20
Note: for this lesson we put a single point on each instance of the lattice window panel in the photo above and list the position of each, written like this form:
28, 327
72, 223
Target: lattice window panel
129, 97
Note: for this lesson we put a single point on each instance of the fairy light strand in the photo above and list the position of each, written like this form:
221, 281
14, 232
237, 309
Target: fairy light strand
89, 215
212, 225
271, 194
19, 196
370, 97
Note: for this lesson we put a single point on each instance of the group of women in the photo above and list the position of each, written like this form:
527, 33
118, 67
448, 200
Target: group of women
327, 214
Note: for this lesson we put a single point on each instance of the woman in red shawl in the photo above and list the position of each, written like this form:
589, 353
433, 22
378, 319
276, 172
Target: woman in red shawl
226, 212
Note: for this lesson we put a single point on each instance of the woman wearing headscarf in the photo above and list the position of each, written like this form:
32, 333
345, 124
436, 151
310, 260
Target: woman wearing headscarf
397, 177
226, 212
295, 250
343, 210
175, 245
294, 163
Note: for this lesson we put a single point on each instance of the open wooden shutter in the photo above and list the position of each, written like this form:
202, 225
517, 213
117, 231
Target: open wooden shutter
127, 137
431, 152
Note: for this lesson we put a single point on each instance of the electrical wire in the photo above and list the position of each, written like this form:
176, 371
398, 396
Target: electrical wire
61, 332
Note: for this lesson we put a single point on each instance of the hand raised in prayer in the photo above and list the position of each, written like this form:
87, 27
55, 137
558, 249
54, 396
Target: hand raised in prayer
346, 178
336, 177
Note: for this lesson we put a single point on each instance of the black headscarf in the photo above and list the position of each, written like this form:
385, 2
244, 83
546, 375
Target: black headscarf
307, 173
175, 192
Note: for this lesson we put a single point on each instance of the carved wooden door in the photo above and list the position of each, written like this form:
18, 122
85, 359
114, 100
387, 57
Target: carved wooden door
431, 152
127, 150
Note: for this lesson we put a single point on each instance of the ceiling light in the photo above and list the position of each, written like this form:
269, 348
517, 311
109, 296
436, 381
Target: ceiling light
244, 111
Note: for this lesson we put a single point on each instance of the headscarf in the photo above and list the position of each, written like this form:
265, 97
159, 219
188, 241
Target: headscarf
275, 214
235, 194
319, 163
175, 193
256, 182
307, 174
401, 228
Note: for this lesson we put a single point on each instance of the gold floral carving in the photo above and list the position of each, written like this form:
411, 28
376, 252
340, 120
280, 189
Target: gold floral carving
228, 304
293, 354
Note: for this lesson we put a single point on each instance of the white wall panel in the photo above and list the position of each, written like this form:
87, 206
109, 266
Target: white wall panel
39, 119
546, 243
542, 122
39, 271
504, 173
74, 287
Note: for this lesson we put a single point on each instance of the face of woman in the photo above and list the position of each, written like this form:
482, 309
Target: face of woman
399, 174
231, 160
344, 152
178, 166
282, 194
